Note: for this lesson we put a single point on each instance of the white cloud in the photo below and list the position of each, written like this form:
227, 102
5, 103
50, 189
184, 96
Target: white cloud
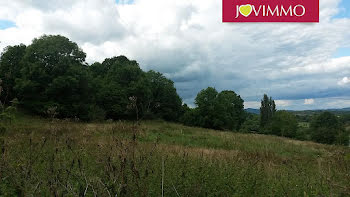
283, 103
187, 41
252, 104
344, 81
309, 101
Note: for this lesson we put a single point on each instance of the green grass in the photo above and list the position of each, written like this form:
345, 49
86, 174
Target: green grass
304, 124
47, 158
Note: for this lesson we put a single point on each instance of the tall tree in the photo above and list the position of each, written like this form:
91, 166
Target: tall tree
54, 74
205, 102
283, 124
224, 110
10, 70
328, 129
164, 101
229, 111
51, 73
122, 87
267, 110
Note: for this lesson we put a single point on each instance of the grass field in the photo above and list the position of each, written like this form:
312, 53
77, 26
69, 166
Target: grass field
54, 158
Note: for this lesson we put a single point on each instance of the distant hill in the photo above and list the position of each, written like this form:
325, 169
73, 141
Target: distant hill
342, 110
253, 111
305, 112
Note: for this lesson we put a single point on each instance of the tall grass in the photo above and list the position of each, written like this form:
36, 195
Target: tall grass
65, 158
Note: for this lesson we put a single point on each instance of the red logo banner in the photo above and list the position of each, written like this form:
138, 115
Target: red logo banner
270, 11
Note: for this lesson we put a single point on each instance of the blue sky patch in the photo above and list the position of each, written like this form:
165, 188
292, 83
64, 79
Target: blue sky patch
5, 24
124, 1
344, 11
342, 52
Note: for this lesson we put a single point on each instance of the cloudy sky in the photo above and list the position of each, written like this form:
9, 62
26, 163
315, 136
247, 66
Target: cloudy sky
302, 66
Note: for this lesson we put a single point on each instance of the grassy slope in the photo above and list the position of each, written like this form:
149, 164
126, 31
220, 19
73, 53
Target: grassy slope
40, 157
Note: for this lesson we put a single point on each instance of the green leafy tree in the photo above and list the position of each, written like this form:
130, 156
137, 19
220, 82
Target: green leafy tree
224, 110
284, 124
267, 110
122, 88
251, 124
10, 70
54, 74
229, 111
51, 73
7, 113
164, 102
205, 102
328, 129
191, 117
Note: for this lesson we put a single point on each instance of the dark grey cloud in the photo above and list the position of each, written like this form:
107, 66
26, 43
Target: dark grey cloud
187, 41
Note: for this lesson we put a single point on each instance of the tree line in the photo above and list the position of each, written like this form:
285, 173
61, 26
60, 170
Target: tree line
51, 73
325, 127
51, 78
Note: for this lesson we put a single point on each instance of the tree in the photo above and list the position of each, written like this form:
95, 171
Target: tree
229, 111
205, 102
7, 113
123, 90
191, 117
164, 103
267, 110
251, 124
54, 74
10, 70
51, 73
284, 124
326, 128
224, 110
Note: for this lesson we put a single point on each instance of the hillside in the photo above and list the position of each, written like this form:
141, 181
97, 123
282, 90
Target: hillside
253, 111
155, 157
306, 112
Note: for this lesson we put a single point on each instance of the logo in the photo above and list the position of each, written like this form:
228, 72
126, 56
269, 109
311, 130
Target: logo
270, 11
245, 10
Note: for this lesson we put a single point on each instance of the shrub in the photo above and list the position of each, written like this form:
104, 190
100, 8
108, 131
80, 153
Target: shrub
283, 124
326, 128
251, 125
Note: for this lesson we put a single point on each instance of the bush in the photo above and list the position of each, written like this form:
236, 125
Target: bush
251, 125
96, 113
190, 117
2, 130
302, 134
326, 128
283, 124
223, 111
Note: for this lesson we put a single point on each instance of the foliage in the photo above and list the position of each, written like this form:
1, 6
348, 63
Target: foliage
190, 117
165, 103
229, 110
7, 113
251, 124
64, 158
205, 102
52, 73
222, 110
10, 69
267, 110
283, 124
118, 79
328, 129
51, 78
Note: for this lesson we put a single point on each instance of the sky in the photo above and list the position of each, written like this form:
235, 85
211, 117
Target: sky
302, 66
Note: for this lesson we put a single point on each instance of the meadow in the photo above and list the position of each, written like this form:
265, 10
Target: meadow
44, 157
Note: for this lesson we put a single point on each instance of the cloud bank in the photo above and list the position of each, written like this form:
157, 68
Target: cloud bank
187, 41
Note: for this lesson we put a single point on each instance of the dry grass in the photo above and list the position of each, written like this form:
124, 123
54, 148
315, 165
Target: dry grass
44, 158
